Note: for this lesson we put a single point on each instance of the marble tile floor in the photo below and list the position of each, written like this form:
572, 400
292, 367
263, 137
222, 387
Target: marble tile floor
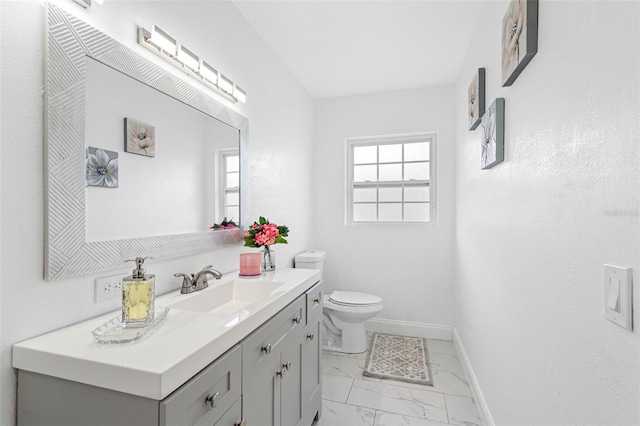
350, 399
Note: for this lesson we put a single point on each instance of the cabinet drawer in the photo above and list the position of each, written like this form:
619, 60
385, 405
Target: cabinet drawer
233, 417
261, 350
314, 300
208, 395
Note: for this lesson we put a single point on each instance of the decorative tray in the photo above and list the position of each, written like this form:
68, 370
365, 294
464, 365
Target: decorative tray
114, 330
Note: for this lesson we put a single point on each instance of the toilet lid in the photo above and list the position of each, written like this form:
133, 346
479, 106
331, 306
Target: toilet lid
352, 298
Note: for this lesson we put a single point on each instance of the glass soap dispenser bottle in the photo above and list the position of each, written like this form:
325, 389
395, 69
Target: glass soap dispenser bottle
137, 296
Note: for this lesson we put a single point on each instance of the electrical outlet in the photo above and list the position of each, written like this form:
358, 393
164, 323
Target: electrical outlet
107, 288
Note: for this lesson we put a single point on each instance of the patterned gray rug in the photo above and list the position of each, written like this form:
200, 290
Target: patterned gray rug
398, 358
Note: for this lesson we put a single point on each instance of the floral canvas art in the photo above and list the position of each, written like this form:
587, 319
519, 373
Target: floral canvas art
492, 135
102, 168
139, 138
519, 38
476, 99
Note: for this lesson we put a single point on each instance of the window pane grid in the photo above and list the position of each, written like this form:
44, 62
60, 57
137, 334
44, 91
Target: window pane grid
381, 175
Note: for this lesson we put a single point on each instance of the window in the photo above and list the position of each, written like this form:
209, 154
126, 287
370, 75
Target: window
390, 179
230, 178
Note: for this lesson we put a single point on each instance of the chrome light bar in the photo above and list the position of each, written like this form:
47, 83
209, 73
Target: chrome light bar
165, 46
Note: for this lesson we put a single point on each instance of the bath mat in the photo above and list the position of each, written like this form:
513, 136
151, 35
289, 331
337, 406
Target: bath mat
398, 358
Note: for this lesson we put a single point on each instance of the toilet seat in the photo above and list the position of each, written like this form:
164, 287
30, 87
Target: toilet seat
353, 298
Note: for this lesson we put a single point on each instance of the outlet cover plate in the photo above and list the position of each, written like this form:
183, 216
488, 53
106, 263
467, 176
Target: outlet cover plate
107, 288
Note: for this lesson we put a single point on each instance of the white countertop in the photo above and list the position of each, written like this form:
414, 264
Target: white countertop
153, 367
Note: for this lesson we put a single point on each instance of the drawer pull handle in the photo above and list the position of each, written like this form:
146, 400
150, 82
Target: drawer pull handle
297, 319
211, 399
316, 301
310, 336
287, 365
266, 349
242, 422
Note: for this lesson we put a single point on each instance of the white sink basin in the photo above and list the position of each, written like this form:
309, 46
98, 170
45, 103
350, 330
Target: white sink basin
228, 298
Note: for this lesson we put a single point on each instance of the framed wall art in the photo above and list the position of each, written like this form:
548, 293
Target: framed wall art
476, 99
139, 138
101, 168
519, 38
492, 135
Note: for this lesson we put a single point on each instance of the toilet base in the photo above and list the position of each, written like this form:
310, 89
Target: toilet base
350, 340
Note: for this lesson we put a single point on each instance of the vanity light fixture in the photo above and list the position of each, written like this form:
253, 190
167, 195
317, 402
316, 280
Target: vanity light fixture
188, 58
225, 84
209, 73
240, 94
165, 46
162, 41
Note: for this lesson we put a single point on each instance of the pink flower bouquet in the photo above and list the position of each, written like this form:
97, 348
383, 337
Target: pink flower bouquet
225, 224
263, 233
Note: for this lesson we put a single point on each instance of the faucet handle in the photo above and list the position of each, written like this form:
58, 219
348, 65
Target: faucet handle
187, 284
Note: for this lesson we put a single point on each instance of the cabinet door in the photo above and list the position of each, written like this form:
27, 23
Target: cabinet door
261, 350
312, 369
291, 382
261, 402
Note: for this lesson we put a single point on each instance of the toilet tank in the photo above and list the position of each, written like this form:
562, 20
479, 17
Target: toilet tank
311, 259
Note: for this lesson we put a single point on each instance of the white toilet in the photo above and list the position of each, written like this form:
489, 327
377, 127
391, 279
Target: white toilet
344, 311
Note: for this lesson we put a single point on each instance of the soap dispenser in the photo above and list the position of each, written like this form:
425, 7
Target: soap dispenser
137, 296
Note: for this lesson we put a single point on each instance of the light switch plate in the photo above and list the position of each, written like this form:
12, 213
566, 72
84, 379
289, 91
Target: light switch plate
618, 284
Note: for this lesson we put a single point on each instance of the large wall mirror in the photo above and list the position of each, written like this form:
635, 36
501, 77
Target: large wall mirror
99, 93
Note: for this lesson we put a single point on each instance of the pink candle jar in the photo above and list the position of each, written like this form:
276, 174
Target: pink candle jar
250, 264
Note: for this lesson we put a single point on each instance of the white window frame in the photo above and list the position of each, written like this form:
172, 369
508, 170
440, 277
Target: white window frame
223, 188
431, 137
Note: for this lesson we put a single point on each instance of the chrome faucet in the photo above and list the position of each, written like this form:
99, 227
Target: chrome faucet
197, 281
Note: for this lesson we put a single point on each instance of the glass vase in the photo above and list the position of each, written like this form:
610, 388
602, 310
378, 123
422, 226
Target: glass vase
268, 259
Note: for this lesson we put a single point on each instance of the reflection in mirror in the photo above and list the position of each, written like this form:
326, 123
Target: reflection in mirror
190, 183
78, 241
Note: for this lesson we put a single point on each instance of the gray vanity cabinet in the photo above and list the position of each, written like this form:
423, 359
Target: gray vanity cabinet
271, 378
285, 388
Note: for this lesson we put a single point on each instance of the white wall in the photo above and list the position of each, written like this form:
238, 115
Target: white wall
280, 113
533, 233
410, 266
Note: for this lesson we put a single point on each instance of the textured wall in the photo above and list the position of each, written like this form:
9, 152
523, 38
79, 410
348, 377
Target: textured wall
410, 266
280, 113
533, 233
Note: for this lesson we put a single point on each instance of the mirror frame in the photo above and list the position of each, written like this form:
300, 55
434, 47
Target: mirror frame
67, 252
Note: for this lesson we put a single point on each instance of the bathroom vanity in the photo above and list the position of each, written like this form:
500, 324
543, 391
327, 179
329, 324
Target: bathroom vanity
241, 352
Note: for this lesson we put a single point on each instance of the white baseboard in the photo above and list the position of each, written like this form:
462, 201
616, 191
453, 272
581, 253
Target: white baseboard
476, 393
406, 328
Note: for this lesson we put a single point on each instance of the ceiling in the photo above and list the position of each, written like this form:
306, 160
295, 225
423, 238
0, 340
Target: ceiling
338, 48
